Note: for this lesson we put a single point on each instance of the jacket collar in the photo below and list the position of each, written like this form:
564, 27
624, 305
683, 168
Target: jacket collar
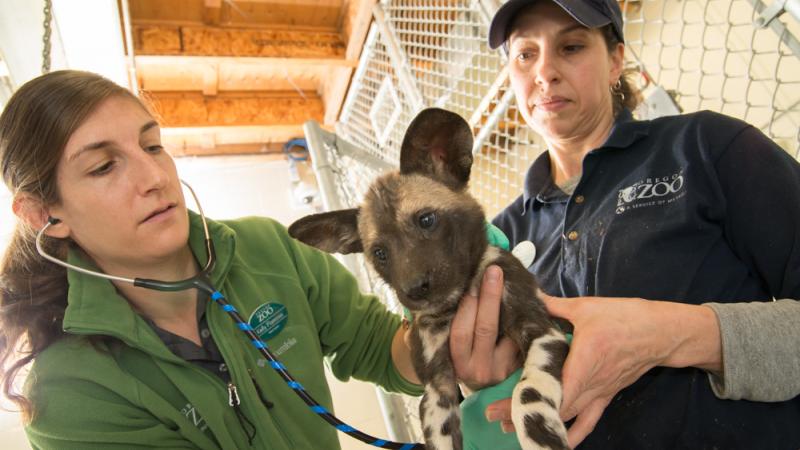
539, 183
95, 307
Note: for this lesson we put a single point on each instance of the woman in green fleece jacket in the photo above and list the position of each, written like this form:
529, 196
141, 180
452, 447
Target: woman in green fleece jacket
118, 366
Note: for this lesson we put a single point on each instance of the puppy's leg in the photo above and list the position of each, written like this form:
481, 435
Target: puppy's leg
537, 396
438, 410
441, 420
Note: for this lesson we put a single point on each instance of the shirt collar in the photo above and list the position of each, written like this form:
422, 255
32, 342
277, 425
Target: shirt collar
95, 307
625, 131
538, 181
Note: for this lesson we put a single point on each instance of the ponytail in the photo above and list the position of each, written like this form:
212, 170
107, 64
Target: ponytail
33, 297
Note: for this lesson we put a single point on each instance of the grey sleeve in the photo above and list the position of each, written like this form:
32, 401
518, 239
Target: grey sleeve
760, 351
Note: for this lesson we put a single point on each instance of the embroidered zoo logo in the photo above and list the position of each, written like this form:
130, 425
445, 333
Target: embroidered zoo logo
191, 413
651, 192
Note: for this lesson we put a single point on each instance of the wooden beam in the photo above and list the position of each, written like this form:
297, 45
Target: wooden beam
355, 25
231, 135
250, 61
217, 41
238, 108
288, 14
194, 73
212, 12
274, 152
181, 141
210, 79
334, 92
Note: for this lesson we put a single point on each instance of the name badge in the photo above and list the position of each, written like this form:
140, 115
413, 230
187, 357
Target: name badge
268, 320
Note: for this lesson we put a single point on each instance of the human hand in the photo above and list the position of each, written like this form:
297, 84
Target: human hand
501, 410
479, 358
617, 340
597, 367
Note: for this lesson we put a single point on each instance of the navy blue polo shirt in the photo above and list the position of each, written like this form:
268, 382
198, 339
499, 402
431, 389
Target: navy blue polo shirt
692, 208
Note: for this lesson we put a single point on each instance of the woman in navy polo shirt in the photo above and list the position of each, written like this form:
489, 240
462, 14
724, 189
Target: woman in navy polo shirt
700, 212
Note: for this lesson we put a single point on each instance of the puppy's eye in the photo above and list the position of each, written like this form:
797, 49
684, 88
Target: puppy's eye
427, 220
379, 253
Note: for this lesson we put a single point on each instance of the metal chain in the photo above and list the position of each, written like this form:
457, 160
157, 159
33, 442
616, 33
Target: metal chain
48, 18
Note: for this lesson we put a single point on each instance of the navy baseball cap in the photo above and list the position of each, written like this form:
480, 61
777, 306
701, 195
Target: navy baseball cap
589, 13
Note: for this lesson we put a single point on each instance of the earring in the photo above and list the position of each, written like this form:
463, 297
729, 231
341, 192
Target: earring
616, 89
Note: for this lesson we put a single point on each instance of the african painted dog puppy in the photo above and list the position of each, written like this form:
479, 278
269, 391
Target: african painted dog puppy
425, 235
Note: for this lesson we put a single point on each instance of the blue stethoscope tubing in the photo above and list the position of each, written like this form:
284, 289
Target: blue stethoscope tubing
201, 282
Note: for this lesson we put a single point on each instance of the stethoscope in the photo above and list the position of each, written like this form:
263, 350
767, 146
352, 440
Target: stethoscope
202, 282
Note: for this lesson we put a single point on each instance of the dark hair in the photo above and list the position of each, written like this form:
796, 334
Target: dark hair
35, 126
627, 96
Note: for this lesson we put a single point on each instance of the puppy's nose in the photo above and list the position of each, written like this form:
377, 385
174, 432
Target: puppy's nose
419, 290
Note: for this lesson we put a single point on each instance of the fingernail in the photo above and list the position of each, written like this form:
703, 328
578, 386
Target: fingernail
473, 291
506, 427
493, 273
492, 415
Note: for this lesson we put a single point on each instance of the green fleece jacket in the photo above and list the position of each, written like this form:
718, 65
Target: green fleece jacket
132, 392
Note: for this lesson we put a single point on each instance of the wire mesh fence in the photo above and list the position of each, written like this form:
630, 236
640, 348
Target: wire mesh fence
695, 54
710, 54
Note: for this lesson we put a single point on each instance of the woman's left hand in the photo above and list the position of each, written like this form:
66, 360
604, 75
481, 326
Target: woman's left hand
479, 358
617, 340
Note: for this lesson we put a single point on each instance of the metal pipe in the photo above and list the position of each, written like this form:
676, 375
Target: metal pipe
397, 425
492, 121
767, 14
777, 8
364, 157
793, 8
315, 138
126, 25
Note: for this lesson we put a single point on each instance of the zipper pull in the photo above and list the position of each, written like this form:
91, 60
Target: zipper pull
233, 400
233, 395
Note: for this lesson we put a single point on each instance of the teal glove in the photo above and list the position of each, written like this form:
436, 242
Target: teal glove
479, 433
496, 237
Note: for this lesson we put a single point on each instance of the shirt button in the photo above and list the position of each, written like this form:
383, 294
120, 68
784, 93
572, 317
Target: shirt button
204, 333
579, 199
573, 235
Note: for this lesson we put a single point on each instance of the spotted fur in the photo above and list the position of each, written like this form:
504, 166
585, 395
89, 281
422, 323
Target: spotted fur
424, 234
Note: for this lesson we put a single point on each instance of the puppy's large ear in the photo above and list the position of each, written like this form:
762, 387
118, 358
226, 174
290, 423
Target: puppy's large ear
438, 144
333, 232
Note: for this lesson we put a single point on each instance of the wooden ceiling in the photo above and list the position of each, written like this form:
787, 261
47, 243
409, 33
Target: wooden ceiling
242, 76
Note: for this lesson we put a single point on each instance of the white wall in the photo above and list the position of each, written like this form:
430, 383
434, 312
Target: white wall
21, 38
80, 32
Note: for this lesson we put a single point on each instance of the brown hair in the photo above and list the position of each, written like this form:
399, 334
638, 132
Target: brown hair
627, 96
34, 129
